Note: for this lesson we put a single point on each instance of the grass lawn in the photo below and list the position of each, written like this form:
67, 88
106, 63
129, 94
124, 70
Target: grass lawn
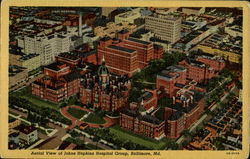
77, 113
126, 135
41, 103
93, 118
26, 93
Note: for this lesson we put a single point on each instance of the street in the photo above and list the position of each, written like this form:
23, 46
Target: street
192, 128
60, 133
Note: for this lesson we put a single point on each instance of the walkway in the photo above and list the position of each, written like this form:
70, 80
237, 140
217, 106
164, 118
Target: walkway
78, 122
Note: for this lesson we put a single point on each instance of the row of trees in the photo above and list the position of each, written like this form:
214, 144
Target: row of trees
218, 86
72, 100
35, 118
112, 138
45, 112
127, 144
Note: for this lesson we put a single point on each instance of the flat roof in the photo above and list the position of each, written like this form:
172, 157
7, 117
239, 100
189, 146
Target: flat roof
54, 66
139, 41
26, 129
124, 49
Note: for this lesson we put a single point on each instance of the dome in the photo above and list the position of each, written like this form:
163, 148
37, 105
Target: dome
102, 70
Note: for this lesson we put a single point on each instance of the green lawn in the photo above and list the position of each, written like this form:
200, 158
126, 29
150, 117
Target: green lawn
77, 113
126, 135
41, 103
93, 118
26, 93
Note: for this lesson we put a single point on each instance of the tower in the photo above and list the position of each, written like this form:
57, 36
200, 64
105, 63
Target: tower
103, 72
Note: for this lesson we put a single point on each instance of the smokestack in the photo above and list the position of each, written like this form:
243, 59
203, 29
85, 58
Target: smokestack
80, 24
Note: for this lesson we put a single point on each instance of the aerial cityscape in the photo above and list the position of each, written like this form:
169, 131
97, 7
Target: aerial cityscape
125, 78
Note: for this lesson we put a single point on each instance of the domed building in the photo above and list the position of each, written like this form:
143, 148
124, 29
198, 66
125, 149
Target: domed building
104, 90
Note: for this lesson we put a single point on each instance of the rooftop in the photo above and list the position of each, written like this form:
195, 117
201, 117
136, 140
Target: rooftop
69, 55
124, 49
55, 66
72, 76
145, 96
25, 129
14, 69
29, 56
145, 118
165, 16
139, 41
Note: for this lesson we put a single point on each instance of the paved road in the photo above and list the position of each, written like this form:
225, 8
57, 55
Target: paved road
60, 134
24, 84
192, 128
105, 147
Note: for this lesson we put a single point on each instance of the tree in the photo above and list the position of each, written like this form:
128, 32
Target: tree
172, 145
134, 94
208, 111
238, 84
217, 142
186, 133
184, 143
96, 139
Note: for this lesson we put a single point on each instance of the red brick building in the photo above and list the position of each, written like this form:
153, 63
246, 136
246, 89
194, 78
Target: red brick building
87, 54
178, 82
171, 79
200, 69
60, 82
216, 62
149, 100
126, 55
187, 107
119, 60
105, 91
203, 67
140, 123
137, 120
69, 58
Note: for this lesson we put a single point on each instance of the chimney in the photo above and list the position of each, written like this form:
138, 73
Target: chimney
80, 24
